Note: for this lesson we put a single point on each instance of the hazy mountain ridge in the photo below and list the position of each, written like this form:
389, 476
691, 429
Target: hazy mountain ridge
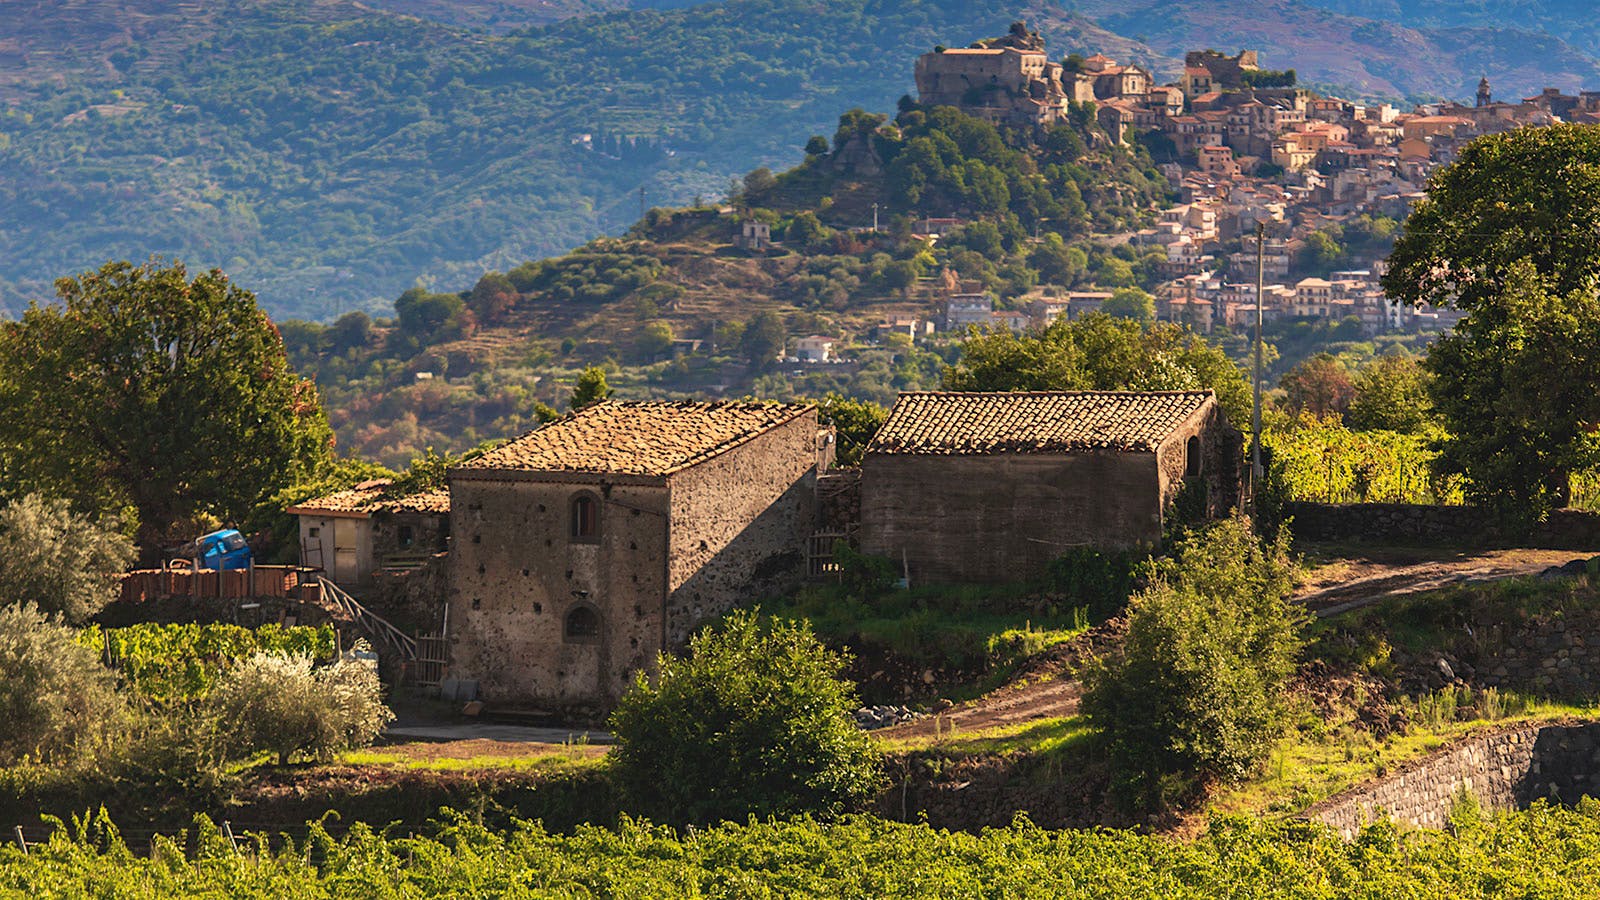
329, 153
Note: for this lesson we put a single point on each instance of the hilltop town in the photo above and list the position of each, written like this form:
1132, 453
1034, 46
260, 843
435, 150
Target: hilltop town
1243, 146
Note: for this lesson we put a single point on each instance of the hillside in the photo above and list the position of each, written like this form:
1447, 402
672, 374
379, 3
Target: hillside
332, 153
674, 308
331, 156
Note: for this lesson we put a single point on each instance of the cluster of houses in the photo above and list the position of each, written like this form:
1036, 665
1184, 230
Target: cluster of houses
576, 553
1252, 148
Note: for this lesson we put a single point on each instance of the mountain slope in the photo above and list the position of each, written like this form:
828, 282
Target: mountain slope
330, 153
328, 156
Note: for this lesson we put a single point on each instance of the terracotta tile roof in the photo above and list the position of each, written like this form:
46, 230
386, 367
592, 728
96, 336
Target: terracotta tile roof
652, 438
367, 498
949, 423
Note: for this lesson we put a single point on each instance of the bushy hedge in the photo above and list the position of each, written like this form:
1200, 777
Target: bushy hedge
754, 721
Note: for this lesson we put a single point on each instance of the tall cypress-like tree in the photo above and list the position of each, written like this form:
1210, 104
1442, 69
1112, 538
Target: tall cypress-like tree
145, 388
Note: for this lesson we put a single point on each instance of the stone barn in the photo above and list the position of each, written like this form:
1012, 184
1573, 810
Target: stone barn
353, 534
584, 548
990, 487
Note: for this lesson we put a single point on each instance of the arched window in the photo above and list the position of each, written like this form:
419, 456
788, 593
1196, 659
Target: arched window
585, 518
1193, 461
583, 623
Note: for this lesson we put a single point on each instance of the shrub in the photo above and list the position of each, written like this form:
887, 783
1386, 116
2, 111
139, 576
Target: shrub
754, 721
1101, 580
1199, 689
57, 703
281, 704
57, 560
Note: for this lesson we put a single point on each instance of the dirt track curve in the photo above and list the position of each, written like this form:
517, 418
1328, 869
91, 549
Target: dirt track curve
1047, 691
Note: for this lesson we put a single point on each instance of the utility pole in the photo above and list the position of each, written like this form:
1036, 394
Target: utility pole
1256, 471
874, 218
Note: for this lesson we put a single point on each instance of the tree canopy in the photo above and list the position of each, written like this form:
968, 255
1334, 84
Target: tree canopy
1517, 385
755, 720
1529, 193
149, 390
1099, 352
1510, 233
1199, 690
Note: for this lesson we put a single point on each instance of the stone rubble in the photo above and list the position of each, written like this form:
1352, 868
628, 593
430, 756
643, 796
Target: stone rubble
871, 718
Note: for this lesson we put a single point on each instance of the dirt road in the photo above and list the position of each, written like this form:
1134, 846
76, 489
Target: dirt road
1335, 583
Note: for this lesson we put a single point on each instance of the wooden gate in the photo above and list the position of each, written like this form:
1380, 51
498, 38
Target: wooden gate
819, 554
432, 659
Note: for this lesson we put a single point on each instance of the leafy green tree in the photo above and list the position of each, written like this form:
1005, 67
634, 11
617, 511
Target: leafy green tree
428, 317
591, 388
1199, 691
351, 330
756, 720
1517, 386
654, 339
1391, 394
1115, 273
1098, 352
816, 145
1320, 254
147, 389
1321, 385
1130, 303
58, 703
854, 423
61, 562
1527, 194
763, 338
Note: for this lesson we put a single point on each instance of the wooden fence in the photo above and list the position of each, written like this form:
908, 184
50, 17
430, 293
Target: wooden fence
258, 582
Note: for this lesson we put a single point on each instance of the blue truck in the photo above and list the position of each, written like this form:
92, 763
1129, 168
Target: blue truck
225, 549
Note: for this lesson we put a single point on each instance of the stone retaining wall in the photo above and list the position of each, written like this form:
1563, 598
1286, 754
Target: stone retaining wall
1506, 770
1404, 523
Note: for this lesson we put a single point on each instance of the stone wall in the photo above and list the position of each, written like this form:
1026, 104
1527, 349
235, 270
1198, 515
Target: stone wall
1505, 770
740, 522
1004, 517
1403, 523
517, 574
669, 553
1551, 655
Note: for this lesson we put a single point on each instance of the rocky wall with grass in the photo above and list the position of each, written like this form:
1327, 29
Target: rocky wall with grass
1504, 770
1410, 524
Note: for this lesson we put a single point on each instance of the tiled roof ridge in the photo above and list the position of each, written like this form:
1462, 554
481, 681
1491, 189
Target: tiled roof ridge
565, 438
987, 422
1086, 393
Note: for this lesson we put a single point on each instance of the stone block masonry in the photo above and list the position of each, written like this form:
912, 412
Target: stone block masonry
1509, 769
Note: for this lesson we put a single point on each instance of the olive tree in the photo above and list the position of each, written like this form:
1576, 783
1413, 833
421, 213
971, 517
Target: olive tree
285, 705
57, 560
57, 702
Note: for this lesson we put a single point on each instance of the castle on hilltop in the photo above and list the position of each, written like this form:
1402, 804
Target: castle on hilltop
1010, 80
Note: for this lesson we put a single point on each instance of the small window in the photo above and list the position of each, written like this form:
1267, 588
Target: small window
585, 518
1193, 460
407, 536
315, 532
583, 624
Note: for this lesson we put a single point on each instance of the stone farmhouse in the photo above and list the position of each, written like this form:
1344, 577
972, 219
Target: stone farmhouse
355, 534
584, 548
990, 487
